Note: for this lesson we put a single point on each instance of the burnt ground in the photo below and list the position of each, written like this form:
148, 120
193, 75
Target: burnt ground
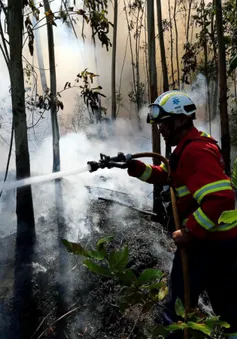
58, 283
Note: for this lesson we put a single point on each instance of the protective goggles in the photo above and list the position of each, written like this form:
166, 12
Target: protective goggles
156, 114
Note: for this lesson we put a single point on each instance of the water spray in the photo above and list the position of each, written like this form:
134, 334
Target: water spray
42, 178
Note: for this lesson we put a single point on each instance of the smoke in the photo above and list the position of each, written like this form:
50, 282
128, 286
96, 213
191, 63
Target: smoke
78, 148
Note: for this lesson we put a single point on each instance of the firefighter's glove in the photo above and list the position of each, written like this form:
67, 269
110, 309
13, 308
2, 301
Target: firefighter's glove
182, 237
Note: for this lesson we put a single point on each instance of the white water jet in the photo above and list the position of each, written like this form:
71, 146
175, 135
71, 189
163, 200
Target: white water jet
42, 178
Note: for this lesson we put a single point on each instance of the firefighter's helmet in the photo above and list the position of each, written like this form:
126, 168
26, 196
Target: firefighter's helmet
170, 104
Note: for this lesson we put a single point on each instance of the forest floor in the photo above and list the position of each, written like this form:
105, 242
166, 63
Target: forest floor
62, 286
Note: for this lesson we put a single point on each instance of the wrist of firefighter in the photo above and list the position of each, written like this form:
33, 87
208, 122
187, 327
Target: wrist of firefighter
135, 168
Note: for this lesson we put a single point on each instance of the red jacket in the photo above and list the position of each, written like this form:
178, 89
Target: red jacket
203, 189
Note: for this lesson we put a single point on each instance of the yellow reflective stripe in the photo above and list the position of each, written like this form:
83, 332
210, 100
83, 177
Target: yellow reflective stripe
224, 227
205, 135
182, 191
164, 167
213, 187
202, 219
146, 174
168, 96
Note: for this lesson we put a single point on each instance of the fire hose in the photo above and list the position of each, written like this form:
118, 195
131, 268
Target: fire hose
120, 161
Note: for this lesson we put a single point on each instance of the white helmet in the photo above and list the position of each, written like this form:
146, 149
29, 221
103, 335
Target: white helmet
169, 104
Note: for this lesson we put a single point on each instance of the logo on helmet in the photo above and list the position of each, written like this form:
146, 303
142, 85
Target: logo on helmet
175, 101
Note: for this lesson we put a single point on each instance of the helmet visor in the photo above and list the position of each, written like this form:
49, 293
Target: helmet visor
156, 114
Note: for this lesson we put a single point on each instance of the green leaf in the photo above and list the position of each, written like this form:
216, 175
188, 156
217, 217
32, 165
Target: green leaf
162, 293
228, 217
118, 260
100, 246
103, 241
154, 286
200, 327
127, 277
177, 326
93, 267
214, 321
233, 64
149, 275
179, 308
75, 248
99, 255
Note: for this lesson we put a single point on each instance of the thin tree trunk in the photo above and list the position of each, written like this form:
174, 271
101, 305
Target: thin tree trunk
131, 51
113, 71
176, 44
225, 134
171, 46
40, 57
235, 86
188, 20
137, 66
146, 56
24, 204
152, 69
62, 257
204, 45
53, 92
163, 58
162, 47
215, 60
187, 33
24, 310
153, 95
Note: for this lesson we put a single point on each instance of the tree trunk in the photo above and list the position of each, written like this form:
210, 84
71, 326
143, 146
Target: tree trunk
53, 91
205, 50
188, 20
152, 69
162, 47
214, 105
24, 310
146, 56
113, 71
163, 57
40, 57
223, 106
171, 46
24, 204
137, 65
153, 95
176, 44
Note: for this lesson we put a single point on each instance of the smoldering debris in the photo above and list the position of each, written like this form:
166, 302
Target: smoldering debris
98, 315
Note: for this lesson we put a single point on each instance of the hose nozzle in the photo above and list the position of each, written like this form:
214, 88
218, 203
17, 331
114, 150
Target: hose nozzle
119, 161
93, 166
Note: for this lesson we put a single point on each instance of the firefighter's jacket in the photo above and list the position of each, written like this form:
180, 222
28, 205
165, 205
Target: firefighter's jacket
203, 189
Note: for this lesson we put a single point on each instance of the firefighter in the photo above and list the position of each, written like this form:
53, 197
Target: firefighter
203, 191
